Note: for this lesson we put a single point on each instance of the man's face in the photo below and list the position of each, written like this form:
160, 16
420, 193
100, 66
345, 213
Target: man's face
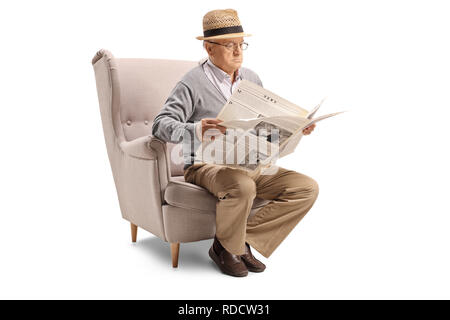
227, 60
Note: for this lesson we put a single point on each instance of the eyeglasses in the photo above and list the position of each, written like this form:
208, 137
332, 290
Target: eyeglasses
231, 45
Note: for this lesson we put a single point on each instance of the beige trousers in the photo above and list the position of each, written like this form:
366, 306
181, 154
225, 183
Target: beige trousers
292, 194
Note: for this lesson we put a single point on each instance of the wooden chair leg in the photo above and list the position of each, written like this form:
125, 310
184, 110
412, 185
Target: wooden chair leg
134, 229
175, 250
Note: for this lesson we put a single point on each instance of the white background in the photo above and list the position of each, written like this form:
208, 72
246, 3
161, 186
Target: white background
380, 227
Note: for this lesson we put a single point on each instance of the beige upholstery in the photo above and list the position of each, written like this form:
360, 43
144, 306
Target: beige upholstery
151, 189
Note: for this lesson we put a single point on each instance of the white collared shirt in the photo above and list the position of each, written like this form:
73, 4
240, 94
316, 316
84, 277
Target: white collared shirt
222, 81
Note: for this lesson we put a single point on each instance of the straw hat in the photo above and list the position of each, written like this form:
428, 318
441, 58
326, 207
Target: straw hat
221, 24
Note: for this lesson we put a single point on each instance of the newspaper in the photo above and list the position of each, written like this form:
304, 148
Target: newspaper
261, 127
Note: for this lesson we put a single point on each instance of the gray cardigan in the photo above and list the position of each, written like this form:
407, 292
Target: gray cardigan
193, 98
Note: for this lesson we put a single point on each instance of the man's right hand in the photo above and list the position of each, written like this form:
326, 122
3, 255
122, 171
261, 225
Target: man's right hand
213, 125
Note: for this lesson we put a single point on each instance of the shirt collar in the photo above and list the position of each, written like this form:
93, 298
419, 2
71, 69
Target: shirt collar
220, 74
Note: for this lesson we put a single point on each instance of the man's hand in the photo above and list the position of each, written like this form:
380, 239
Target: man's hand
309, 129
213, 125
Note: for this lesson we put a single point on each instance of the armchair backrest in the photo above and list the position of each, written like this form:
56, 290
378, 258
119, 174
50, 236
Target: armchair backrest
132, 92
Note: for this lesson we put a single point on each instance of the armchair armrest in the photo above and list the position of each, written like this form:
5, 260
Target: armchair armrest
139, 148
150, 148
141, 176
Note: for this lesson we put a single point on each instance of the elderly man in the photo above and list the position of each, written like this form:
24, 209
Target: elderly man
189, 112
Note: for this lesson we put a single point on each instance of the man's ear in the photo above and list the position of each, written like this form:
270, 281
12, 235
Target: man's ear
207, 47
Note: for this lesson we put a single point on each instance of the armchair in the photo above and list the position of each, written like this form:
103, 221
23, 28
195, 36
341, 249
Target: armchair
149, 181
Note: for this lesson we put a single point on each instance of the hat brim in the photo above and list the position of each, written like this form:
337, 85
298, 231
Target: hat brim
225, 36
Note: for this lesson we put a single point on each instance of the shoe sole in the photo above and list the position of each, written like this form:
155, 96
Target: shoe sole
216, 259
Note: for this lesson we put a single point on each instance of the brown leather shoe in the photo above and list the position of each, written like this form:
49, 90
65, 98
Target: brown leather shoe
253, 264
227, 262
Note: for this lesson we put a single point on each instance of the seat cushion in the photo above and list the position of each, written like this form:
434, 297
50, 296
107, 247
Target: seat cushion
182, 194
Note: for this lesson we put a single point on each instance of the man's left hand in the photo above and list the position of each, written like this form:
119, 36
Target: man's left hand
309, 129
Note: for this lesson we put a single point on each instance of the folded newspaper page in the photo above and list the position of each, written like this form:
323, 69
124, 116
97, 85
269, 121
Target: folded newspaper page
261, 127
